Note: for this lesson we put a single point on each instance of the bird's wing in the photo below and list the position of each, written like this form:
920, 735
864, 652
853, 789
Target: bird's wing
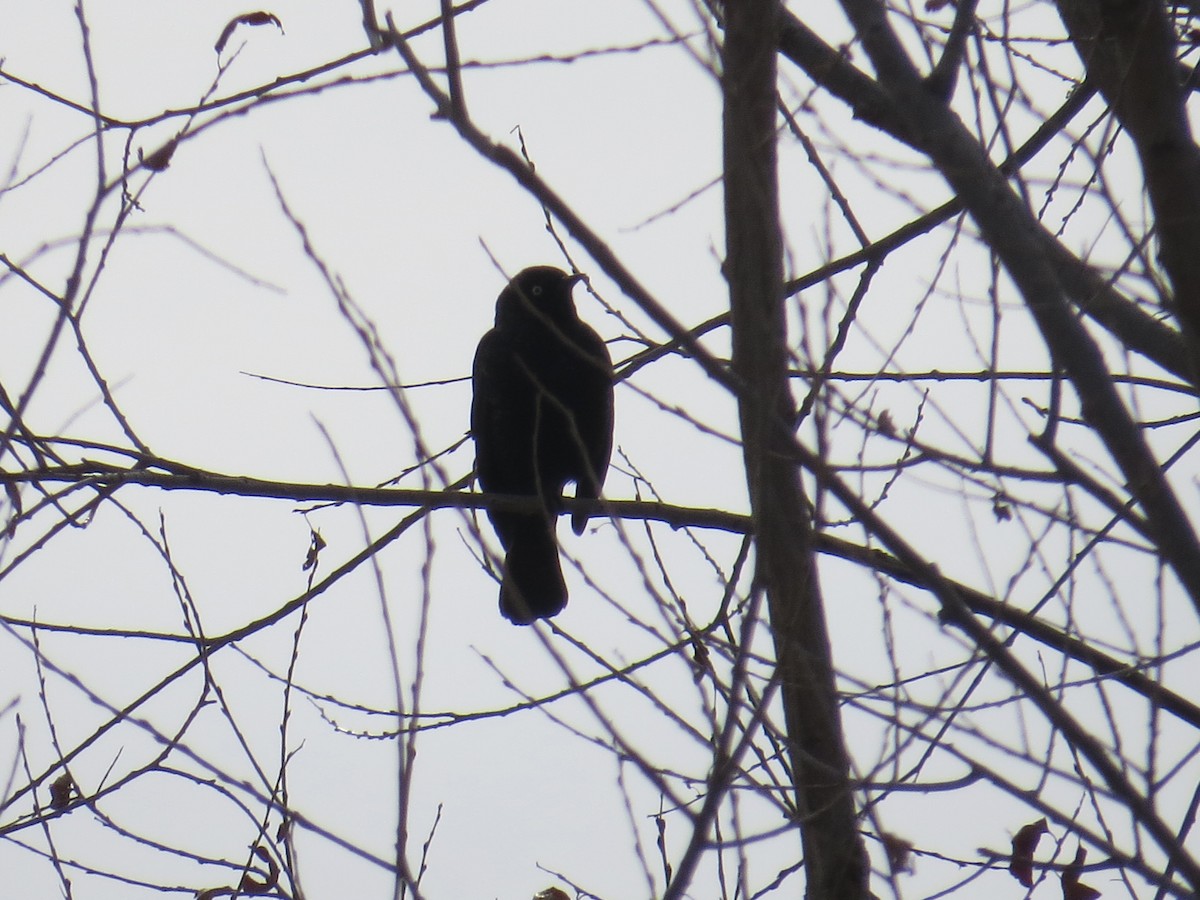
484, 406
595, 417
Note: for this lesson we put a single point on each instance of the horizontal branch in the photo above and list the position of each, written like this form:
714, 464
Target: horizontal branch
979, 603
188, 479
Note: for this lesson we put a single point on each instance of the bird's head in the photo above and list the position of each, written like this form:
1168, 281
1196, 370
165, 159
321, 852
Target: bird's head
539, 292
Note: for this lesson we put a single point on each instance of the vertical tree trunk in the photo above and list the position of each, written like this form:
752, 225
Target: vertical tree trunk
835, 859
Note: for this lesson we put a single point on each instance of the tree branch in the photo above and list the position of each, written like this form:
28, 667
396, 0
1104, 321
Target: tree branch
1129, 51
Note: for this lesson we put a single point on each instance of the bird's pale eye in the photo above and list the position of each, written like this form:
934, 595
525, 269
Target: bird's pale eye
536, 290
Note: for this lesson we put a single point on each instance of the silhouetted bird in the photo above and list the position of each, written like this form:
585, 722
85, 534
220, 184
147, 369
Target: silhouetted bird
542, 415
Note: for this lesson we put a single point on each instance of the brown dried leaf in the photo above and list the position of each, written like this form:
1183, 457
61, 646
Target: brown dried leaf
250, 18
1023, 846
701, 664
161, 158
551, 893
885, 423
251, 885
14, 500
61, 790
316, 545
1073, 889
899, 852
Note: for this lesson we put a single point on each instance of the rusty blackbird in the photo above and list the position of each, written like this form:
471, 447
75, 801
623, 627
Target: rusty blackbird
541, 416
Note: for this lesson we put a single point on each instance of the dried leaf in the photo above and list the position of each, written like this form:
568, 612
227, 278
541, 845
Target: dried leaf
899, 852
316, 545
251, 885
250, 18
14, 500
61, 790
701, 664
161, 158
551, 893
660, 822
1023, 846
1073, 889
1001, 510
885, 423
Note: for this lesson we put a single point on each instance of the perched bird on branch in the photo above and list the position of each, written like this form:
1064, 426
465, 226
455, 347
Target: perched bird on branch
542, 415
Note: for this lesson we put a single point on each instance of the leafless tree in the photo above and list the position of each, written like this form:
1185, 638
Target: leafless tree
895, 588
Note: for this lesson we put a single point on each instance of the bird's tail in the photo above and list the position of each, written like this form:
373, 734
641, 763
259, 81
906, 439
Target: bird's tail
533, 586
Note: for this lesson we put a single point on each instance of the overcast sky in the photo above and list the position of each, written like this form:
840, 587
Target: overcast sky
225, 349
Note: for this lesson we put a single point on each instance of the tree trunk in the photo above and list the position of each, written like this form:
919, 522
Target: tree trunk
835, 859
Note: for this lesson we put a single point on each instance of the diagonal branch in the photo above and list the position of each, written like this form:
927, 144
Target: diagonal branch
1013, 234
1086, 288
1129, 51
